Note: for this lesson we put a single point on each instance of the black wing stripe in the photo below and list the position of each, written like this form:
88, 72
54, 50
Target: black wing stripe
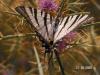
63, 23
31, 17
41, 13
51, 19
35, 16
78, 16
45, 23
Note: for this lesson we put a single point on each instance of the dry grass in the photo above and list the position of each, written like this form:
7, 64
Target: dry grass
16, 43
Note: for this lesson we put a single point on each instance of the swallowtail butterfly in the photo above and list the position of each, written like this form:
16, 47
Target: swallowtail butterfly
44, 24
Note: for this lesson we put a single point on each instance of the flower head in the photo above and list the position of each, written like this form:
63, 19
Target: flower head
68, 39
49, 5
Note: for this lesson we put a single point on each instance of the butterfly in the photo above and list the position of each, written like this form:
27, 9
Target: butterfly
44, 23
50, 30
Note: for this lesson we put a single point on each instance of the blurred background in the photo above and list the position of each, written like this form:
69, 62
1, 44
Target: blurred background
18, 43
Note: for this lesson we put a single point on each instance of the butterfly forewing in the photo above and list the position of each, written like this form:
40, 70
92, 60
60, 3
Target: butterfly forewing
40, 20
70, 25
65, 24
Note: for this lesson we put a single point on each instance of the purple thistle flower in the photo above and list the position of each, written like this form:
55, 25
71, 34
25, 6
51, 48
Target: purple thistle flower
48, 5
68, 39
61, 45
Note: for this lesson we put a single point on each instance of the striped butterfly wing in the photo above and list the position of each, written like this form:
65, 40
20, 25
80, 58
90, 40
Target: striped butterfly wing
68, 24
38, 19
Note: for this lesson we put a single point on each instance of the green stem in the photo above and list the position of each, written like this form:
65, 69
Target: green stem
38, 61
51, 67
16, 36
59, 62
88, 25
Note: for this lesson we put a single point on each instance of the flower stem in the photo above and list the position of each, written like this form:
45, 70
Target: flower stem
16, 36
38, 61
59, 62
